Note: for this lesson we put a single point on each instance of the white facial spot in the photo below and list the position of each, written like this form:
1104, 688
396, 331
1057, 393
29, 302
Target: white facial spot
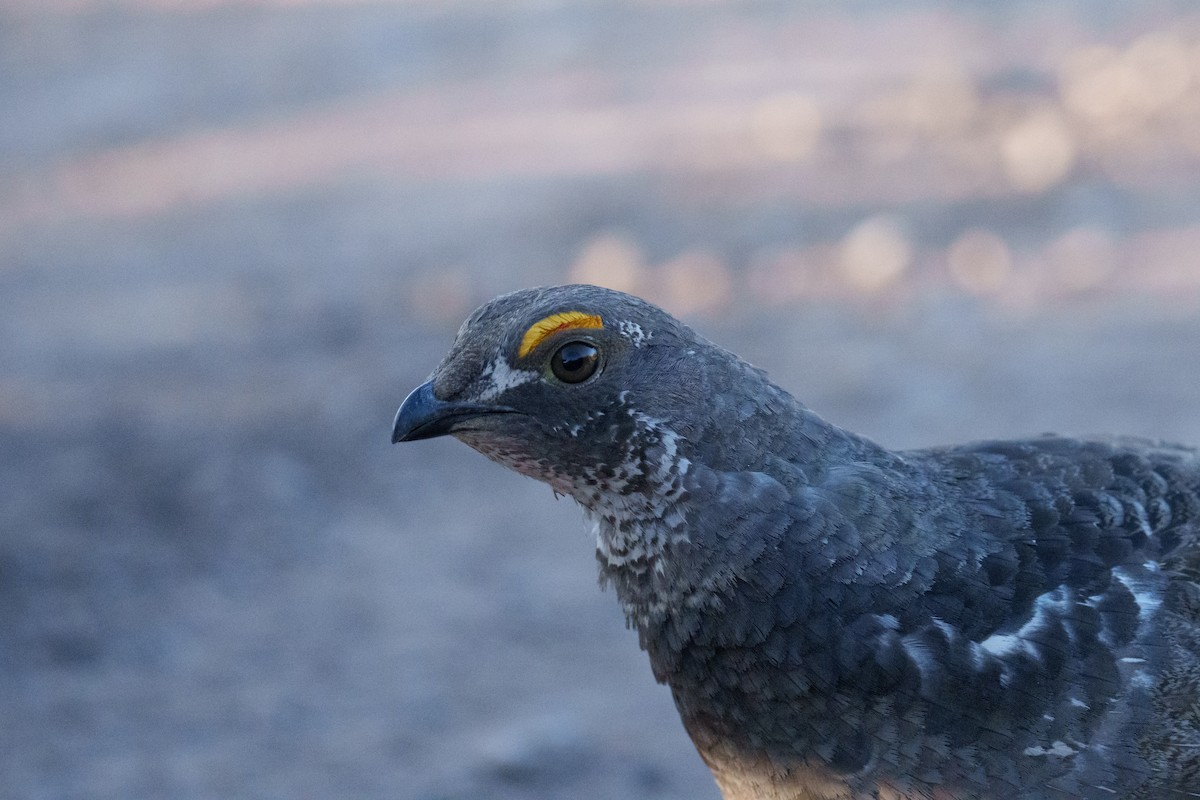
502, 377
633, 332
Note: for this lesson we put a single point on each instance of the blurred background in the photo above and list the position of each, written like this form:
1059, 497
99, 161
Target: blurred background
235, 233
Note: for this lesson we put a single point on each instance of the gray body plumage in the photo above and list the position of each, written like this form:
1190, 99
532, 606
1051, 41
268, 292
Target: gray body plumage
835, 619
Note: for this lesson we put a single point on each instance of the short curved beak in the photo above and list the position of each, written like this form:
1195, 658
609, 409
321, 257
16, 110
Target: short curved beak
423, 416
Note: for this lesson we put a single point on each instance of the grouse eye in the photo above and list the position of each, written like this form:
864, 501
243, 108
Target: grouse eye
575, 362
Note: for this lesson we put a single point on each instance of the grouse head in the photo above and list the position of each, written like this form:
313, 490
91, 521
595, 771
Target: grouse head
598, 393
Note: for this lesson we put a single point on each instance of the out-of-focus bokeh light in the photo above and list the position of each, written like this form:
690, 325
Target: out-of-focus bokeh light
786, 127
1161, 69
610, 259
693, 281
979, 261
1038, 150
1119, 89
875, 253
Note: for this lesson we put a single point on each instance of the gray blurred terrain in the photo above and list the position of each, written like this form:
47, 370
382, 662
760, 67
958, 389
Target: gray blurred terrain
234, 233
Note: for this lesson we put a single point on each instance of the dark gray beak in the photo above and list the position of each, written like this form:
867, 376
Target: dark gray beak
423, 416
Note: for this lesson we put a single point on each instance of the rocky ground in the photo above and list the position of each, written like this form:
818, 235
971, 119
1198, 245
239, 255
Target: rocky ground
233, 235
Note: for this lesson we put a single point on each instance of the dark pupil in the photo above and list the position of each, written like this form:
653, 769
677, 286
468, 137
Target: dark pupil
575, 362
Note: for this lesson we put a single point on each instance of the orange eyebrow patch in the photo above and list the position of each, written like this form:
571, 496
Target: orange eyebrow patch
554, 323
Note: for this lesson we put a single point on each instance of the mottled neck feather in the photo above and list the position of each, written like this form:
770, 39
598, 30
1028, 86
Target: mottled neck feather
676, 527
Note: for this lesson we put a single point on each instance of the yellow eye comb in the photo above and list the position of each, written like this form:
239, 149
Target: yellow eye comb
554, 323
